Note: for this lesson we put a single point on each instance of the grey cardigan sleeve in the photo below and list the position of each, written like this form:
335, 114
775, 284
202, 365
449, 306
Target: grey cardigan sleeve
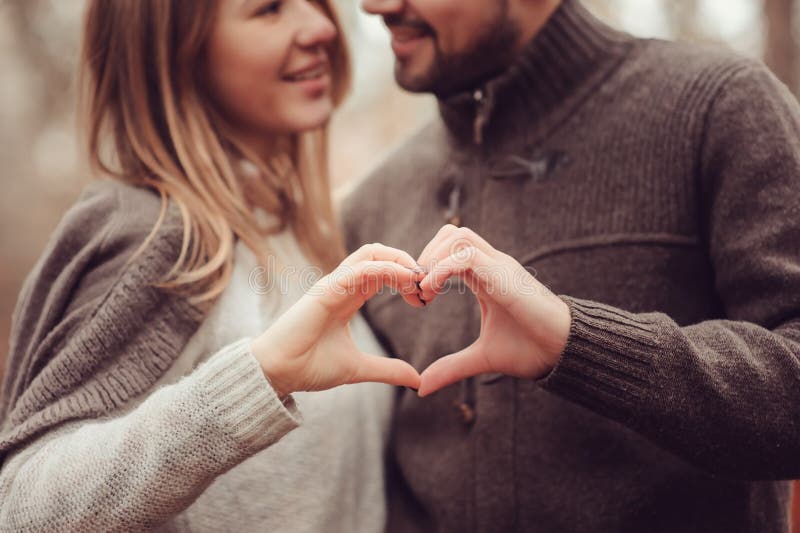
89, 441
723, 394
138, 470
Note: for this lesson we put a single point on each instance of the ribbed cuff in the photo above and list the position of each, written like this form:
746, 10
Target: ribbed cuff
243, 403
607, 362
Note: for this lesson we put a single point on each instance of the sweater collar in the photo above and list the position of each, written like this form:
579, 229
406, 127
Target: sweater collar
572, 47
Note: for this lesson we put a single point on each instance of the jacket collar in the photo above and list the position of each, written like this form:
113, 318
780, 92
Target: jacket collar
572, 48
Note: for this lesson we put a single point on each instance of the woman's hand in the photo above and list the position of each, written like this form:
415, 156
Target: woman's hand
309, 348
524, 326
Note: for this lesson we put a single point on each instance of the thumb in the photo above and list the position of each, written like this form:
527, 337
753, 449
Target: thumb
452, 369
386, 370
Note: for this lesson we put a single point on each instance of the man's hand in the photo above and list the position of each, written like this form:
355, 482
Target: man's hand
524, 326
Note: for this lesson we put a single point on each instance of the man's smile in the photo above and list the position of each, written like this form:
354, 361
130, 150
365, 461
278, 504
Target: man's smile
407, 36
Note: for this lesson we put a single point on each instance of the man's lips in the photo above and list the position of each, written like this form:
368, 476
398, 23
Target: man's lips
406, 37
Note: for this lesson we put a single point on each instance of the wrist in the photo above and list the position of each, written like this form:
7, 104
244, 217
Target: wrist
271, 366
562, 326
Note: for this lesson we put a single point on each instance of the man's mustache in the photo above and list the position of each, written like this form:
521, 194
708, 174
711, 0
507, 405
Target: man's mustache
395, 21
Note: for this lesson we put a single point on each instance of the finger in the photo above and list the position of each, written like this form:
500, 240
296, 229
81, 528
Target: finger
449, 241
469, 264
380, 252
444, 233
478, 241
386, 370
366, 278
392, 275
452, 369
445, 249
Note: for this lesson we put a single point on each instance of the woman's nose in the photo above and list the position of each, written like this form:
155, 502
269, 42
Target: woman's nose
382, 7
317, 29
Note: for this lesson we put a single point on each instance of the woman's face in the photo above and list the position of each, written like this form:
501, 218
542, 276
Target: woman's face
268, 65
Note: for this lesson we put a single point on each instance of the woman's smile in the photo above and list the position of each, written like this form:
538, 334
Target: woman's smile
314, 78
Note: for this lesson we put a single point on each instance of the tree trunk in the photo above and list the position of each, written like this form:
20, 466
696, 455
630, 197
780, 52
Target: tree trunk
780, 54
781, 48
796, 507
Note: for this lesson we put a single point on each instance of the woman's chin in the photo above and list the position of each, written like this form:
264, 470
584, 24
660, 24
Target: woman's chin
294, 119
312, 116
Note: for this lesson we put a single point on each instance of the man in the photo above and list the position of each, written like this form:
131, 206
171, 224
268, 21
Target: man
656, 188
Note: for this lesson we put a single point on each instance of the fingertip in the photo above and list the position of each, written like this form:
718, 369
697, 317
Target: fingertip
412, 380
417, 377
423, 287
427, 296
412, 300
424, 385
426, 388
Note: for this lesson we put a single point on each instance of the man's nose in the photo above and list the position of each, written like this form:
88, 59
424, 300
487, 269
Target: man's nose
382, 7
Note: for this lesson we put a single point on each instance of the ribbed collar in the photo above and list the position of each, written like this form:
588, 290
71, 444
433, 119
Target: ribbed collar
571, 49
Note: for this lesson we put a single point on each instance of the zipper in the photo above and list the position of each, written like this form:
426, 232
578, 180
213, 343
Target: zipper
466, 405
453, 213
480, 116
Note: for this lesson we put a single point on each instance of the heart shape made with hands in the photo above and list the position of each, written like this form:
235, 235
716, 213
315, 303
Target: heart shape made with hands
524, 326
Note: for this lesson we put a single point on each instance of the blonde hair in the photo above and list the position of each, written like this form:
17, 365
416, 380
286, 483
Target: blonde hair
141, 88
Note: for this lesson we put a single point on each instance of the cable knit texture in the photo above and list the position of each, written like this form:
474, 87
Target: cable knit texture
87, 319
656, 186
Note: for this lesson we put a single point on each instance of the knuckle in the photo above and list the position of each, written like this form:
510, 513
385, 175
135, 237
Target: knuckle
465, 233
375, 249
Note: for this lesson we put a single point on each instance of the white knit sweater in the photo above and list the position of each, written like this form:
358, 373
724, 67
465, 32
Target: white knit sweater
212, 448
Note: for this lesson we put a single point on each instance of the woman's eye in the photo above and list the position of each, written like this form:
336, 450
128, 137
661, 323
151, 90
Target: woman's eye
270, 8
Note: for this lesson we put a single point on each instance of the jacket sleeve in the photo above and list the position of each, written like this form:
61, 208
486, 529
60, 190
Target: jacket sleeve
722, 394
136, 471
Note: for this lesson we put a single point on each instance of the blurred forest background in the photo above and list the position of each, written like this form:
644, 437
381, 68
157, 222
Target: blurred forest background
41, 171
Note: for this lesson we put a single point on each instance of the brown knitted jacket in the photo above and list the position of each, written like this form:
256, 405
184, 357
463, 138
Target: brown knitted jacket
657, 187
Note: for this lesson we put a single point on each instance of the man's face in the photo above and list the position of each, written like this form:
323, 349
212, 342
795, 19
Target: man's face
445, 46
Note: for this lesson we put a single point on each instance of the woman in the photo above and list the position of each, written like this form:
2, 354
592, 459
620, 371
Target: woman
150, 380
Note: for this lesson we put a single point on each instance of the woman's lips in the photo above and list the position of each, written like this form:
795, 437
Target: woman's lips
315, 70
313, 79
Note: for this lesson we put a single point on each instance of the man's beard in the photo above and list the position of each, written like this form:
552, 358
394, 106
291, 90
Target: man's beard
490, 53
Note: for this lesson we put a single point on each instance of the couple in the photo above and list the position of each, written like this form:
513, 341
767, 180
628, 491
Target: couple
653, 185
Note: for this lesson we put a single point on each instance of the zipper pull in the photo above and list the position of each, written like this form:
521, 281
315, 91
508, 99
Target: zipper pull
454, 206
480, 116
465, 406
